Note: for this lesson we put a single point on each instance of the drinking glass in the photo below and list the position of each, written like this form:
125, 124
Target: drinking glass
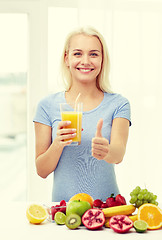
73, 112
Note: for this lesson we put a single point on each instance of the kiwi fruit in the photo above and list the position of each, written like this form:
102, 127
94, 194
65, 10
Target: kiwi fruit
73, 221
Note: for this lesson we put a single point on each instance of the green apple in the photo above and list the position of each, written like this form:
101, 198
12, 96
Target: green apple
78, 207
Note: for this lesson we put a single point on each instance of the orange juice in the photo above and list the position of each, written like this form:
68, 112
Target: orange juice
76, 122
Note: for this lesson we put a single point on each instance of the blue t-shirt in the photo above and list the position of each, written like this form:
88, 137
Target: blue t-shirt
77, 171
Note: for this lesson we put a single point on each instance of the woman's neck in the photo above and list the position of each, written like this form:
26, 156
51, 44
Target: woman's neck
90, 96
85, 90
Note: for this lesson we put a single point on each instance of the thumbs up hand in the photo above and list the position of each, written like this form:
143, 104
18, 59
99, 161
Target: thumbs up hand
100, 145
99, 128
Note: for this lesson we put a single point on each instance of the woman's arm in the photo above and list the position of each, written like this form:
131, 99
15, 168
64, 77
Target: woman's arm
113, 152
47, 152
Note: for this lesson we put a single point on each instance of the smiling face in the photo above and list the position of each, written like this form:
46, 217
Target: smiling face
84, 58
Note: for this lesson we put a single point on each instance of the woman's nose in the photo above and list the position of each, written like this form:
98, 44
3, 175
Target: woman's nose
85, 59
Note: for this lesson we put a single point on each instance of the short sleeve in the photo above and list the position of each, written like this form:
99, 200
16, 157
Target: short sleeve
123, 111
42, 113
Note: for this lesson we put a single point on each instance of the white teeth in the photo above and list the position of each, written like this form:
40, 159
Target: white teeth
84, 70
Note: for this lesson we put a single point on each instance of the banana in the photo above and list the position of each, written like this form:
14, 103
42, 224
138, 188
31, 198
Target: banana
132, 217
119, 210
107, 222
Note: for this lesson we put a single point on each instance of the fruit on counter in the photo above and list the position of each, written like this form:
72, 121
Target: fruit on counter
152, 214
36, 213
140, 226
121, 223
78, 207
119, 210
104, 205
120, 199
54, 210
140, 196
60, 218
110, 201
107, 225
93, 218
115, 201
82, 197
132, 217
58, 208
73, 221
62, 203
98, 203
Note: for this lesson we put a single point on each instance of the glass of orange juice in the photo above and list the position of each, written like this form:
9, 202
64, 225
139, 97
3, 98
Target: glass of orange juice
73, 113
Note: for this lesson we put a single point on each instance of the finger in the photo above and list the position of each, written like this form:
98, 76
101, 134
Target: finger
99, 128
99, 153
67, 136
63, 124
65, 143
97, 156
100, 150
101, 141
65, 131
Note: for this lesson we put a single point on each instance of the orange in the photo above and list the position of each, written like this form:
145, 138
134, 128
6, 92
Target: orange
150, 213
82, 197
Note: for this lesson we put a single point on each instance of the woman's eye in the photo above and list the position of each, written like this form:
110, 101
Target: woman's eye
94, 54
77, 54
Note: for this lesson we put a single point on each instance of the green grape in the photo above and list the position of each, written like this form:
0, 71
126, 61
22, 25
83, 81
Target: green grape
144, 191
156, 203
131, 194
154, 197
143, 201
152, 201
146, 196
136, 190
133, 199
151, 195
140, 196
138, 203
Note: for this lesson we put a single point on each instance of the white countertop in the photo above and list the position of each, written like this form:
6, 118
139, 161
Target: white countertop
14, 225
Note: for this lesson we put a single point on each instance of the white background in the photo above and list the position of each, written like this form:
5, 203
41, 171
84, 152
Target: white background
133, 32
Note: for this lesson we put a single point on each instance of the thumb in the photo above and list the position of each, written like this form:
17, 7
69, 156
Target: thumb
99, 128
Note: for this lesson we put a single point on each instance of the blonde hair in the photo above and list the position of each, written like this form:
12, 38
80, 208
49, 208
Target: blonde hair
103, 77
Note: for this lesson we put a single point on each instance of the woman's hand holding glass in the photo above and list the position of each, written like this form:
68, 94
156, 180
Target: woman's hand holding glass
64, 134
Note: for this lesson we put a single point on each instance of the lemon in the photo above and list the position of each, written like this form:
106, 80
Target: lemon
36, 213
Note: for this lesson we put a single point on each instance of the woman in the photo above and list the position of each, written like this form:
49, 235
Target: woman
88, 167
